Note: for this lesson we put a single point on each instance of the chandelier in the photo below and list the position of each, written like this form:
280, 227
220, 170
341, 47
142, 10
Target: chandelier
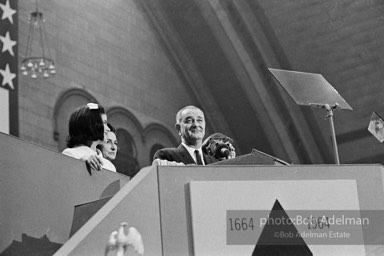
40, 64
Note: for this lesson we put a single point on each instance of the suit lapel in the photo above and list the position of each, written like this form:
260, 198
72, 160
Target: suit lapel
184, 154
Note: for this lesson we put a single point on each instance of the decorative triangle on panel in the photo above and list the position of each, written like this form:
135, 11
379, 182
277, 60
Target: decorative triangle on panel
271, 244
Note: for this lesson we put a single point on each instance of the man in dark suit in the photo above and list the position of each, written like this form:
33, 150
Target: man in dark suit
190, 124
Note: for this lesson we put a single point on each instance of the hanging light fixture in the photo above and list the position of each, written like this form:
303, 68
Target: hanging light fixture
42, 63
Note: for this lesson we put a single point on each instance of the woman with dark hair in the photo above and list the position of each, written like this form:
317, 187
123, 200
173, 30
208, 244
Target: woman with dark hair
87, 127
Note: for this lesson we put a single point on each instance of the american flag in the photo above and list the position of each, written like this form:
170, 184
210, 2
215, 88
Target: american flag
9, 67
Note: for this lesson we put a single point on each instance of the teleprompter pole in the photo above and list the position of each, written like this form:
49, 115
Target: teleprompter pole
329, 116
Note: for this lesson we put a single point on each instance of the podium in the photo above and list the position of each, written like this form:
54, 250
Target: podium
182, 210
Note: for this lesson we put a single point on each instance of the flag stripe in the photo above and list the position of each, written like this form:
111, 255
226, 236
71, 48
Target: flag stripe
9, 119
4, 113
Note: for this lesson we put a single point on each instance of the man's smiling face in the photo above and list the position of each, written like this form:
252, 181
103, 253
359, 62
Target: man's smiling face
192, 126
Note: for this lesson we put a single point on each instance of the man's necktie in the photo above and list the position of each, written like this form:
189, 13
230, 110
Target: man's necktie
198, 158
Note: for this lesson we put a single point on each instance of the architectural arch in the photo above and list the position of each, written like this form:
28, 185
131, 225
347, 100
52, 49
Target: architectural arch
130, 140
126, 159
158, 136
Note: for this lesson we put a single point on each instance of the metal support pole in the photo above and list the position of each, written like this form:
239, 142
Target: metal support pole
332, 127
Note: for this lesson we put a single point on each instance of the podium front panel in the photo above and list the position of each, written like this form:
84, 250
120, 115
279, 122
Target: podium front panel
189, 193
216, 234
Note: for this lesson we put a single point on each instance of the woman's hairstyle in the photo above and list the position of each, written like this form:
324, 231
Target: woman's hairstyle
111, 129
85, 124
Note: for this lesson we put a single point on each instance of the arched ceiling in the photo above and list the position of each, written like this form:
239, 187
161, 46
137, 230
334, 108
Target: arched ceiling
223, 50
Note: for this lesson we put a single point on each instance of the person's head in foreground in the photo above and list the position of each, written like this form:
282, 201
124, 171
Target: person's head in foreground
219, 146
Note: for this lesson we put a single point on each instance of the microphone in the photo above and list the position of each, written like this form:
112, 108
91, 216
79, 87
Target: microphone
219, 149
